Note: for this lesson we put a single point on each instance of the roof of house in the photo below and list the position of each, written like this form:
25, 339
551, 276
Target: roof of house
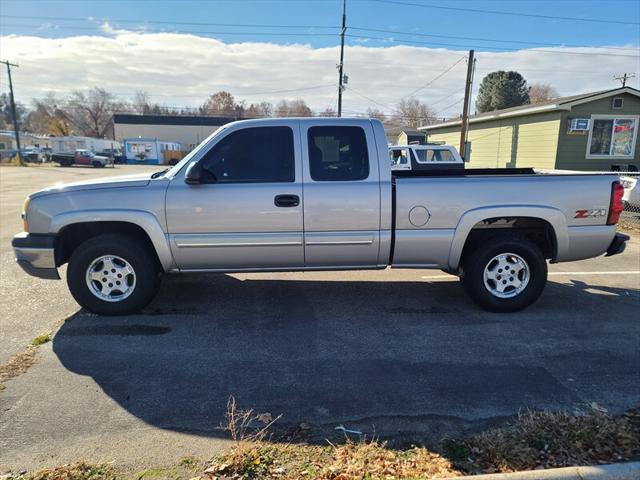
411, 131
562, 103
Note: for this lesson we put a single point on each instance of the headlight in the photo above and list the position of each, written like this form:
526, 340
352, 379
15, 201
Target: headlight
25, 209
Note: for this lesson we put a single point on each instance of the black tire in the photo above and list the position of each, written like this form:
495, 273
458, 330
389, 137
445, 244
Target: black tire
144, 264
478, 258
97, 164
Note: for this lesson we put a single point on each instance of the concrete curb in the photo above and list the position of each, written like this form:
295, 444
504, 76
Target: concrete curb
613, 471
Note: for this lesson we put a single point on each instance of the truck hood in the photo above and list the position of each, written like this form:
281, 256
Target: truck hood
139, 180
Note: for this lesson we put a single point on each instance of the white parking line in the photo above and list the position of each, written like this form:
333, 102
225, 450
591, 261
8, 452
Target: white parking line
614, 272
554, 274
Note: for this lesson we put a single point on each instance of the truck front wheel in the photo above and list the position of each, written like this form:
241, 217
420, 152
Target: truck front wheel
504, 273
113, 275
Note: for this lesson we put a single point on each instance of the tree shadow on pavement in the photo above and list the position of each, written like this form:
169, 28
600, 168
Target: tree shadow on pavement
396, 358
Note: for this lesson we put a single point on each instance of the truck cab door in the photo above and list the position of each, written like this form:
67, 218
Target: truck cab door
246, 212
341, 194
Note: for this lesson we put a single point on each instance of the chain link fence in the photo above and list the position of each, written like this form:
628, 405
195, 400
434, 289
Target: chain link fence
631, 183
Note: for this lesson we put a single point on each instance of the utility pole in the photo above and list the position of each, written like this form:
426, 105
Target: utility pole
16, 127
471, 63
341, 65
624, 77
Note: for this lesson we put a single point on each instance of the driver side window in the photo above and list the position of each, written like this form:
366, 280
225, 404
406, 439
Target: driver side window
251, 155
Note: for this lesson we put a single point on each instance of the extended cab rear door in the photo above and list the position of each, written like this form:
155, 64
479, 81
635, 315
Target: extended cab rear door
341, 193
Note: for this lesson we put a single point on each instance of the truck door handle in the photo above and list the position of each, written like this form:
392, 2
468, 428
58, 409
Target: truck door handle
286, 200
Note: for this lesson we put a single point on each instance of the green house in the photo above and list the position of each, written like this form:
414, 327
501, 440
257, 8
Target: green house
592, 131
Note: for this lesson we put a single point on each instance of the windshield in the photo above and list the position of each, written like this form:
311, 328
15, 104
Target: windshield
178, 166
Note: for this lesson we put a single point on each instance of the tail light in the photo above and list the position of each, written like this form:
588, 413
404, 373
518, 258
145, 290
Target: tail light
617, 205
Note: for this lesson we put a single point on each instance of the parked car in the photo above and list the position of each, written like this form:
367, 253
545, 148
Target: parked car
80, 157
31, 155
631, 195
116, 156
424, 157
315, 194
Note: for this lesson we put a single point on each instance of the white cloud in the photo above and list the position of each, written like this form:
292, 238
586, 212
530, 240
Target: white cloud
183, 69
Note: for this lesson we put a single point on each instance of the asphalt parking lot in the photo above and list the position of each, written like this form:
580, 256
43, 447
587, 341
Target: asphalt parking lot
402, 353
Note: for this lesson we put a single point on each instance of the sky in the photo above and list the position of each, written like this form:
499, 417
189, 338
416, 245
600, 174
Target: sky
180, 52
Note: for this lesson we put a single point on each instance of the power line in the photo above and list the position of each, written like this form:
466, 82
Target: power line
434, 79
330, 27
456, 37
371, 99
321, 34
502, 12
491, 48
623, 78
448, 106
446, 97
191, 32
166, 22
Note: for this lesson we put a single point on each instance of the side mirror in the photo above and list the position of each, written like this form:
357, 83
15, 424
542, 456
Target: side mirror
193, 175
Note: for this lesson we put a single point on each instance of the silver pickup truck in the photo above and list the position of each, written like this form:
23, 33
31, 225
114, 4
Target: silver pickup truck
315, 194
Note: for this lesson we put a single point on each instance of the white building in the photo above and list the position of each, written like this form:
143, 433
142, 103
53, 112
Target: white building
72, 143
189, 131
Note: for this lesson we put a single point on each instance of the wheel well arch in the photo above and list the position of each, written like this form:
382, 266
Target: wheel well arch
73, 235
536, 229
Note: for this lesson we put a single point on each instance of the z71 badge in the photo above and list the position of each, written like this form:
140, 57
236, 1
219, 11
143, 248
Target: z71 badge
593, 213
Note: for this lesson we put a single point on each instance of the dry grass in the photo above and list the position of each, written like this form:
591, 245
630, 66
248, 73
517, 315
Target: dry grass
629, 227
18, 364
540, 439
351, 460
252, 457
76, 471
536, 439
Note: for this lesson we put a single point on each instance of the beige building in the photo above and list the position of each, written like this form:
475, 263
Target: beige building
591, 131
189, 131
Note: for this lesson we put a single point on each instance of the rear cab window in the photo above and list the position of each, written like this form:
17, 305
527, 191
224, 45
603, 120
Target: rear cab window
337, 154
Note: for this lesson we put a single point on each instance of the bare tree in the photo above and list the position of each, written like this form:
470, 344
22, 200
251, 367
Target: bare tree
6, 117
375, 113
328, 112
221, 103
413, 113
49, 117
293, 108
92, 112
142, 103
542, 92
259, 110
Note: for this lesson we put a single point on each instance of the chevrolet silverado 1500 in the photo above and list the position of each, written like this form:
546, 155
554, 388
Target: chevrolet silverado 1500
315, 194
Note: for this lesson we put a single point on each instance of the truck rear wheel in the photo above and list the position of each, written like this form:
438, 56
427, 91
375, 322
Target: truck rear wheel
504, 273
113, 275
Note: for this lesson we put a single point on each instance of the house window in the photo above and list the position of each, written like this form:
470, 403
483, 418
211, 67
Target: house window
612, 136
617, 103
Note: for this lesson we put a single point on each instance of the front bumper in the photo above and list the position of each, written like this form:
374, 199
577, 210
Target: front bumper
36, 254
618, 244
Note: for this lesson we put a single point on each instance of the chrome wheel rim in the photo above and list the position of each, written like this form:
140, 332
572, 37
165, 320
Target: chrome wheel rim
111, 278
506, 275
